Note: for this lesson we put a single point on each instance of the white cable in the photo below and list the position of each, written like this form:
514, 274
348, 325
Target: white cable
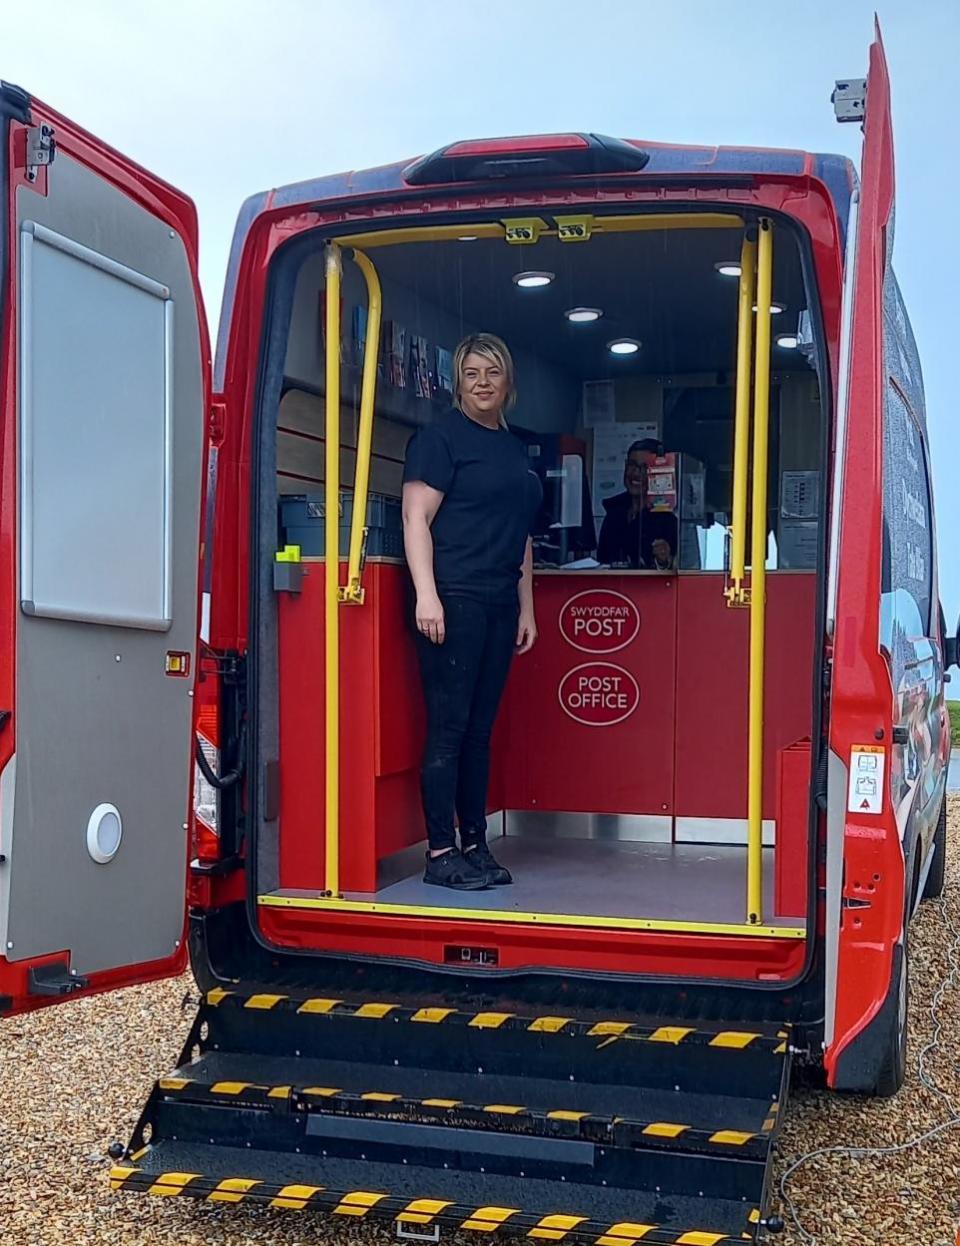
951, 981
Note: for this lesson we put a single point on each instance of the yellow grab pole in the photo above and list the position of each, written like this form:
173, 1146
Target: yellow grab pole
758, 574
331, 572
354, 589
741, 436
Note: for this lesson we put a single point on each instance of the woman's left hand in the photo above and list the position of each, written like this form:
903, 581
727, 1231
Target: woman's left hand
526, 632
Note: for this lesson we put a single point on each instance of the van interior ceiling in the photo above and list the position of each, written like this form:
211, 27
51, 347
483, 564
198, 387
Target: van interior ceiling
619, 782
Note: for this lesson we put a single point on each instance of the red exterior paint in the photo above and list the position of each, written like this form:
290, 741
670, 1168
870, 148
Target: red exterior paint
178, 212
862, 697
531, 142
744, 959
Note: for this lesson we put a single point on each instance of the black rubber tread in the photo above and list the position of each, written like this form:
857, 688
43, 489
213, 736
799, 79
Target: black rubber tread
933, 887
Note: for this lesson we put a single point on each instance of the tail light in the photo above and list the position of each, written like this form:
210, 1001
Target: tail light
205, 796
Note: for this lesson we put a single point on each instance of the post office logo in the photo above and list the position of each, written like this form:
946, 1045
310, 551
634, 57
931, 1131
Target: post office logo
598, 694
599, 621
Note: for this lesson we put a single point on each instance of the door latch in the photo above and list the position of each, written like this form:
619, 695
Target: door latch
41, 149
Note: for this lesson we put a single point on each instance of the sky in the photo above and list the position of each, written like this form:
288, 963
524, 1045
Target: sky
227, 97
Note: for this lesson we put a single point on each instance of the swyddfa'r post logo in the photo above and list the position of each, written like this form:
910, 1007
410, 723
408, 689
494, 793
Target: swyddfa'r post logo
599, 621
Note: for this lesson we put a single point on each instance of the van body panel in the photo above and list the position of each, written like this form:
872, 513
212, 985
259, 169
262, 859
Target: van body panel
808, 203
245, 312
100, 549
815, 192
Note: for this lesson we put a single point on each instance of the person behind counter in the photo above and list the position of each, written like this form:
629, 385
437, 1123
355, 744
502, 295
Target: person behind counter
631, 534
469, 503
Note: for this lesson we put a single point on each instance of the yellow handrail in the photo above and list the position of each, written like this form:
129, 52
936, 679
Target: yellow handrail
353, 593
758, 574
331, 576
741, 436
494, 229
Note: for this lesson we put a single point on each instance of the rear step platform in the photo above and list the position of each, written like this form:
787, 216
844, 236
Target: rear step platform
561, 1128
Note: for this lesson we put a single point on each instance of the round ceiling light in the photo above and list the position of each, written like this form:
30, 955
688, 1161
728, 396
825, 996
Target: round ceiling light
775, 308
728, 268
623, 346
533, 280
788, 341
467, 238
583, 315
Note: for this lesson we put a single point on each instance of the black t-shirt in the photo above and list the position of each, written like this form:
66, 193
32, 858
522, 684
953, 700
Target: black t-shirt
626, 537
490, 500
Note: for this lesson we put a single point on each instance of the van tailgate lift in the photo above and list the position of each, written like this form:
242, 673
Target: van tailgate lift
560, 1128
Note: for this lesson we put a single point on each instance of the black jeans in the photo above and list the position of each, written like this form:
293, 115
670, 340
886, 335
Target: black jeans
463, 681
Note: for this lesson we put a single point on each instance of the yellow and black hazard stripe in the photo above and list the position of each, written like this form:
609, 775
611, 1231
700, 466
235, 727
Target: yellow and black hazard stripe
605, 1031
503, 1117
552, 1227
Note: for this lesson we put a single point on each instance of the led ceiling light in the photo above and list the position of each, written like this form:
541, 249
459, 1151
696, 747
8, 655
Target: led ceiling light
728, 268
775, 308
467, 238
583, 315
623, 346
788, 341
533, 280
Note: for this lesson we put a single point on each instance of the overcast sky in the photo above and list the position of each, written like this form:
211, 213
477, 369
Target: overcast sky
225, 97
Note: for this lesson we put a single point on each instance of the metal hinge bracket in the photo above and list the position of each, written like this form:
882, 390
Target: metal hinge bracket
849, 99
218, 422
41, 149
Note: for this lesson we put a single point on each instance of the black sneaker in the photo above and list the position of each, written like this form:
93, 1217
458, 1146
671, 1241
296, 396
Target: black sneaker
496, 874
452, 869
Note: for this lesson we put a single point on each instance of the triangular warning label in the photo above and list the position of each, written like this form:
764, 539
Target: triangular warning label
864, 804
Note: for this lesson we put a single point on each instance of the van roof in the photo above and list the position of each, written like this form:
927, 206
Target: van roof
666, 160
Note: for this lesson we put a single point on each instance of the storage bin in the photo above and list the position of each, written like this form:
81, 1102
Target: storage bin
303, 523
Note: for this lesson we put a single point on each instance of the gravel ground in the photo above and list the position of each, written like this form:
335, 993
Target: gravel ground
76, 1077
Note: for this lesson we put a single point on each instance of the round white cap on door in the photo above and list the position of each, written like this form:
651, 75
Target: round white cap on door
104, 832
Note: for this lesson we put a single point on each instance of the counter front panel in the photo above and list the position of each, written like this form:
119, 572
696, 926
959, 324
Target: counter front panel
588, 721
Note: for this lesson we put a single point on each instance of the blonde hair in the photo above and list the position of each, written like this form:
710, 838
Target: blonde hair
496, 350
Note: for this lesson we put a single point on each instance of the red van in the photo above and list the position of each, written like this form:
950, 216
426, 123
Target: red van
719, 782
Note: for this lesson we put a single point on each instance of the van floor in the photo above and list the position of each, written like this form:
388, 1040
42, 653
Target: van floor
697, 883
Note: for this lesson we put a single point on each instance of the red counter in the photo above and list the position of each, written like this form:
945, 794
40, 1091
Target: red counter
588, 720
381, 730
633, 701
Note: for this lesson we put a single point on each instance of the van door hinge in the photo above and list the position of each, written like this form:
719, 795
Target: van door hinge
849, 99
217, 423
41, 149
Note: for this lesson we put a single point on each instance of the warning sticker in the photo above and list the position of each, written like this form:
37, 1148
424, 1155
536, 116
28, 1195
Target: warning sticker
865, 794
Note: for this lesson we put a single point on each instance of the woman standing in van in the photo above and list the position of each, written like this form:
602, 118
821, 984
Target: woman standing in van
469, 500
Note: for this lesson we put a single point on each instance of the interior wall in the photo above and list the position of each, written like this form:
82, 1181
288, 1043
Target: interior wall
301, 446
799, 422
549, 398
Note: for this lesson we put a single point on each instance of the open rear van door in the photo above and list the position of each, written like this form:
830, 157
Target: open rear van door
102, 441
865, 960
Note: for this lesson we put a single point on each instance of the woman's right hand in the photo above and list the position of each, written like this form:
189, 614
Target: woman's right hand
430, 618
